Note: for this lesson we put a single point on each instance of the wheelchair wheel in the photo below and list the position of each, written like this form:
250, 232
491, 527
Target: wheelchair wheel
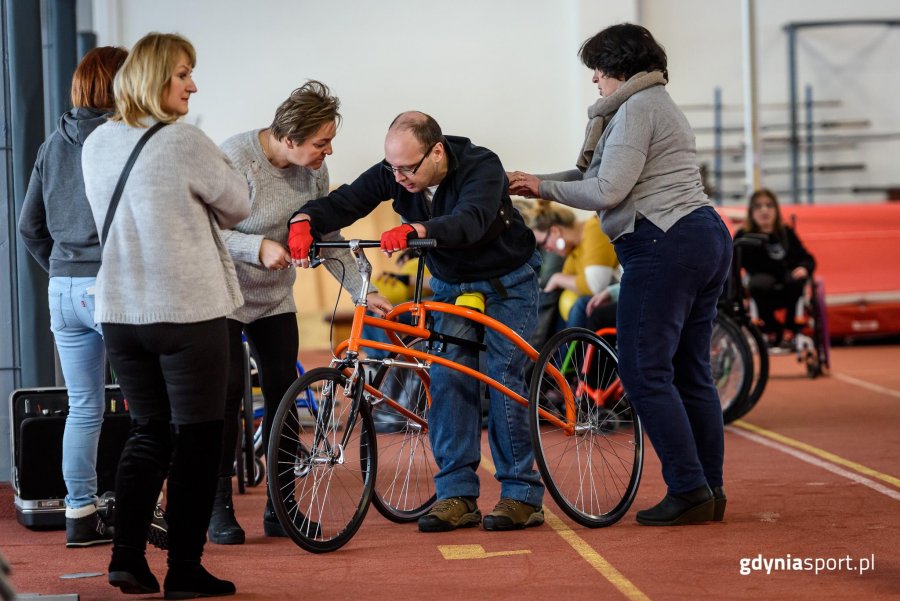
587, 439
321, 461
245, 460
821, 333
404, 484
732, 367
759, 352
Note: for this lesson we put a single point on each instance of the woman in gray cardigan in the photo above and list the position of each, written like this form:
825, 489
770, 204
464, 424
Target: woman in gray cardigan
638, 170
165, 285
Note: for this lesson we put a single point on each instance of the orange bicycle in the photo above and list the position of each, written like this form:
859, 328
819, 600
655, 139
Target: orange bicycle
365, 438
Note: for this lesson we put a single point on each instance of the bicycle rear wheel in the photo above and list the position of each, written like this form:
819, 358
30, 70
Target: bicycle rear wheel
404, 484
587, 439
321, 461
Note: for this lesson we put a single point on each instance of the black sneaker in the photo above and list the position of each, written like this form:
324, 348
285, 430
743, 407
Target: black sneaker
157, 532
84, 528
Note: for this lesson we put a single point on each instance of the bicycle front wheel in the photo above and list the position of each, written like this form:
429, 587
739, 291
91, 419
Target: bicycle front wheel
587, 439
404, 485
321, 461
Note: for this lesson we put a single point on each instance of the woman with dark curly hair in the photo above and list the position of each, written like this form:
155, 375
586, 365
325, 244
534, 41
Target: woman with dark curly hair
638, 170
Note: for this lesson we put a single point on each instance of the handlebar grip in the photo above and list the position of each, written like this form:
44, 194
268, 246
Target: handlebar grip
422, 243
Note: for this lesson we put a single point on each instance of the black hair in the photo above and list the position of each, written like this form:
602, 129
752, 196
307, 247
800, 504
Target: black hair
620, 51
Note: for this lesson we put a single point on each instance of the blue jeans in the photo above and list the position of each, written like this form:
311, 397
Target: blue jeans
454, 419
81, 356
667, 303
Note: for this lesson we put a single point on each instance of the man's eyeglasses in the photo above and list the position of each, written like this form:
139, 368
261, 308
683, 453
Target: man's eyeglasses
407, 171
542, 243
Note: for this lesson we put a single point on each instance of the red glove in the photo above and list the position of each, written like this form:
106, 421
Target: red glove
299, 239
398, 237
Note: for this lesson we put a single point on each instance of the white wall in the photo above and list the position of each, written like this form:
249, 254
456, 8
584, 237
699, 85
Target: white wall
502, 72
505, 72
854, 65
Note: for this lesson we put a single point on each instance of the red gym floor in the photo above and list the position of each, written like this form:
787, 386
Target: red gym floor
812, 478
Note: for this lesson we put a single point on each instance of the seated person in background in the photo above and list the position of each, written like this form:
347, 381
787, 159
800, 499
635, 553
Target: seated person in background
778, 269
600, 311
590, 260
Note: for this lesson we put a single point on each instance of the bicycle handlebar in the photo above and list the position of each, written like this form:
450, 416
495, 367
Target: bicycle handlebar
414, 243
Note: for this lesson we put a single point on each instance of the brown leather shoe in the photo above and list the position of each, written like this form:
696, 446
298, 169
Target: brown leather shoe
510, 514
450, 514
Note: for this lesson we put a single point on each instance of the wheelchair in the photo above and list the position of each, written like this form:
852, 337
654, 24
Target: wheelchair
249, 452
812, 342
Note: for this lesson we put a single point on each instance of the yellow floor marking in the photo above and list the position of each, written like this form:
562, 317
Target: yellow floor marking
474, 552
594, 559
857, 467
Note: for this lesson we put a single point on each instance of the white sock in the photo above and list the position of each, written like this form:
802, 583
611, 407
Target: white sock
80, 512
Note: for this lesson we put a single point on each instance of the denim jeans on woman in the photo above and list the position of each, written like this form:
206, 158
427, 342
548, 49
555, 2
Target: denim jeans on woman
81, 357
454, 419
667, 303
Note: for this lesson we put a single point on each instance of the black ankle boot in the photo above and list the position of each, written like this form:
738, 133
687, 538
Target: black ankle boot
128, 570
720, 500
692, 507
189, 580
223, 526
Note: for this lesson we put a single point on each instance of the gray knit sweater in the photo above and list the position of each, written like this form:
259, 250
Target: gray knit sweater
643, 165
163, 260
275, 194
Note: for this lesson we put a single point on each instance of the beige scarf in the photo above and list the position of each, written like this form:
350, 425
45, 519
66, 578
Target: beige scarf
603, 110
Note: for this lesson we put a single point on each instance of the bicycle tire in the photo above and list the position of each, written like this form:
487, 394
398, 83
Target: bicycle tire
404, 484
322, 466
593, 472
731, 366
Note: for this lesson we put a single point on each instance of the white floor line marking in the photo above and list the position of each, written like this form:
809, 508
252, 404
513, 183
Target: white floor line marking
817, 462
867, 385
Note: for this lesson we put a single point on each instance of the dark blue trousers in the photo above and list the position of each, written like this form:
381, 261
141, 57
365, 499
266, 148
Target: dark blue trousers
667, 303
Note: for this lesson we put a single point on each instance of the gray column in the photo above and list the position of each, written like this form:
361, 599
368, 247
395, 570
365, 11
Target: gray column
62, 55
26, 345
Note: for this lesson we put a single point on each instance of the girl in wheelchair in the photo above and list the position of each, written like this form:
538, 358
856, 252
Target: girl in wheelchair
778, 269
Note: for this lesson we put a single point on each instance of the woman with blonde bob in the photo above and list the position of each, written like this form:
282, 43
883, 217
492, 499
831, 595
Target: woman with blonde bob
164, 288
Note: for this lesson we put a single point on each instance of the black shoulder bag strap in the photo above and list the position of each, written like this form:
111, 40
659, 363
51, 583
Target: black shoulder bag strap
117, 193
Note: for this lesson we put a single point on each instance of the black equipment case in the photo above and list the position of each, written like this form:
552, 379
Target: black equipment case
38, 419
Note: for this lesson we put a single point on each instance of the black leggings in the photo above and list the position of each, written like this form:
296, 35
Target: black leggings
273, 343
170, 371
771, 295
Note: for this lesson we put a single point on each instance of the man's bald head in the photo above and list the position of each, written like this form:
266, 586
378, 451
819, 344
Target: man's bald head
423, 127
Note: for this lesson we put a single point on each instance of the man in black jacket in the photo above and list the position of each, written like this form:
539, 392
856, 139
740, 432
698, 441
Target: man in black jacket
446, 188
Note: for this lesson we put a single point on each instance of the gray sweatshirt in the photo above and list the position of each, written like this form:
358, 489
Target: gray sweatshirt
56, 223
275, 194
644, 166
163, 259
